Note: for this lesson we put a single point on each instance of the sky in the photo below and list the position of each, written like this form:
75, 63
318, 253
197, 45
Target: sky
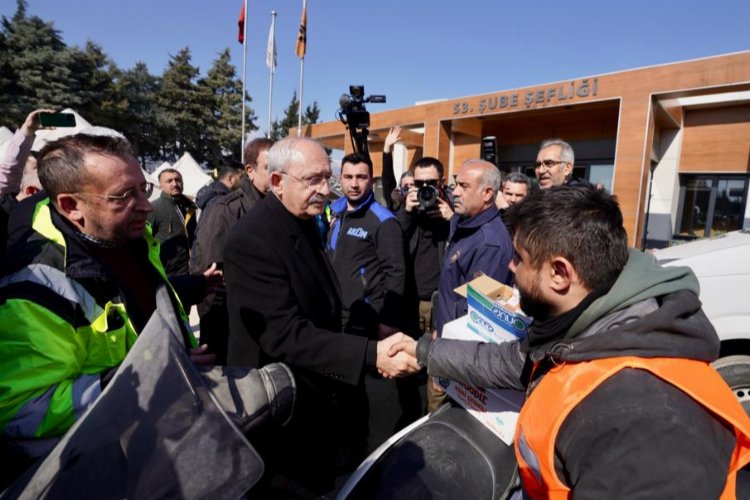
409, 50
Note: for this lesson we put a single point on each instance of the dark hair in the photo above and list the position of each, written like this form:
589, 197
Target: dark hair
226, 167
580, 223
518, 178
169, 171
62, 163
255, 148
355, 158
427, 162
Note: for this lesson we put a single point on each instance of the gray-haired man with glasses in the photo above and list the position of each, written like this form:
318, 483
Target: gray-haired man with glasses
284, 305
554, 163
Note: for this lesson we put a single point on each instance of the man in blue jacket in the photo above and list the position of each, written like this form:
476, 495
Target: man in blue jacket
478, 244
366, 249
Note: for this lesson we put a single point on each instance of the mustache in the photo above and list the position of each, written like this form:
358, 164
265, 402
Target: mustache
317, 198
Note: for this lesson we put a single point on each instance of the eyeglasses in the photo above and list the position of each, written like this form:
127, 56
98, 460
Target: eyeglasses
547, 163
127, 197
313, 182
426, 182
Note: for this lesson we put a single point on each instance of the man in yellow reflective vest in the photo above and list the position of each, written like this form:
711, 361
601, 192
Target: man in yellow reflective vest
622, 401
75, 293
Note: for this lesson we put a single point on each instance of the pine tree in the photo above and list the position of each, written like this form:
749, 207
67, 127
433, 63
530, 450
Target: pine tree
281, 129
132, 106
94, 74
224, 129
184, 109
36, 68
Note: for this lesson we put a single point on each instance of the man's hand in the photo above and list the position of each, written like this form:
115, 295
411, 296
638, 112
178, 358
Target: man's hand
444, 209
392, 138
214, 279
408, 345
500, 201
411, 199
31, 125
399, 365
201, 357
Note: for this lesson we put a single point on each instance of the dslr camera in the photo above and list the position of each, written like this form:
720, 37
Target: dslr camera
427, 194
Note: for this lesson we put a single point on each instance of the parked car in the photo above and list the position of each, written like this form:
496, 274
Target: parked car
722, 265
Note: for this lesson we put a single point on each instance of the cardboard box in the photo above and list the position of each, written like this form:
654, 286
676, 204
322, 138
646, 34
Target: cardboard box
493, 323
497, 409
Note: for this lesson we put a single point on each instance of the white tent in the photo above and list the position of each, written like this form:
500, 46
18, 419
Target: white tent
193, 176
43, 136
6, 134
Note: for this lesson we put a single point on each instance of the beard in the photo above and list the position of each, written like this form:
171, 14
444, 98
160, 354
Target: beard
533, 304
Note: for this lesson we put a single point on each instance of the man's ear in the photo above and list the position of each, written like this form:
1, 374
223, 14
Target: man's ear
70, 207
568, 169
488, 196
249, 170
562, 274
276, 184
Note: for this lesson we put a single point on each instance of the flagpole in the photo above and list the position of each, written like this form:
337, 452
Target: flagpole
271, 65
301, 80
244, 80
303, 33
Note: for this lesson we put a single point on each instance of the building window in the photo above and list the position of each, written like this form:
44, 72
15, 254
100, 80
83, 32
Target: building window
710, 205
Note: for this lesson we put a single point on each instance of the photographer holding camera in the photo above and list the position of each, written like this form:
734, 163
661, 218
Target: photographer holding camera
425, 218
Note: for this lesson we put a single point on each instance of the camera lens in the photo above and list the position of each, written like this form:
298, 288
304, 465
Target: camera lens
427, 196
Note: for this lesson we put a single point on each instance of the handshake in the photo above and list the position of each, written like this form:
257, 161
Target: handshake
397, 356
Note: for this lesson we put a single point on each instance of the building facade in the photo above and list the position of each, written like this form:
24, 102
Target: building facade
671, 141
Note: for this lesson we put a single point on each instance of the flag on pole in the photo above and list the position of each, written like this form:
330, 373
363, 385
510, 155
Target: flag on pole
302, 36
241, 25
271, 49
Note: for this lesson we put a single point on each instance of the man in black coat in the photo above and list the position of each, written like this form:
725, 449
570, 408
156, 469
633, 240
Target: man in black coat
211, 237
284, 305
173, 223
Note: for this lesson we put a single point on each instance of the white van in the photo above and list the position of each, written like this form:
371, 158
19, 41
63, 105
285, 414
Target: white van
722, 265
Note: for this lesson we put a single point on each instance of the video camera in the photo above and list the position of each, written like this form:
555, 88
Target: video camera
354, 115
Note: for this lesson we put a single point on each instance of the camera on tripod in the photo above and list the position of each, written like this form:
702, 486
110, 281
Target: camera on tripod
354, 115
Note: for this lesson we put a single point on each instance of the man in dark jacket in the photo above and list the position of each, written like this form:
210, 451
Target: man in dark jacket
173, 223
284, 305
211, 238
427, 231
616, 363
478, 243
366, 249
228, 177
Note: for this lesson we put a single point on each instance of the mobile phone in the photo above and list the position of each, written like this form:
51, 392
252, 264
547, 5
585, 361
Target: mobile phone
57, 119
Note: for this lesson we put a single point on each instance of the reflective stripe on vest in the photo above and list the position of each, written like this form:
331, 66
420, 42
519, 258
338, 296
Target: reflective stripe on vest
564, 387
54, 279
